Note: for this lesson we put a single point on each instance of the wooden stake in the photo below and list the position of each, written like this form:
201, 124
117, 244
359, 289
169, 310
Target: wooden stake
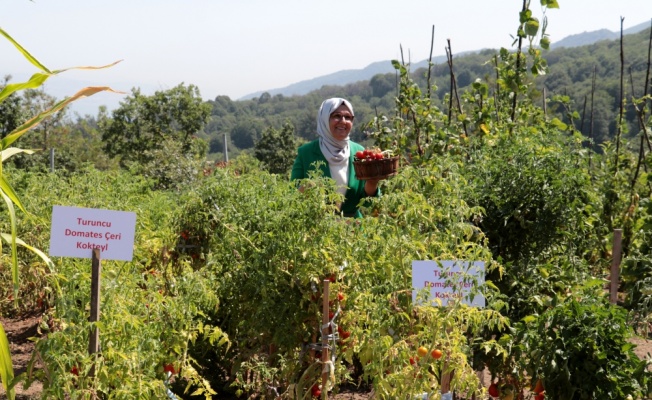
94, 342
325, 353
615, 266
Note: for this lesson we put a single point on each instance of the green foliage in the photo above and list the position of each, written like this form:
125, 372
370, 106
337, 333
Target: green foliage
533, 192
276, 149
170, 166
272, 246
142, 122
580, 350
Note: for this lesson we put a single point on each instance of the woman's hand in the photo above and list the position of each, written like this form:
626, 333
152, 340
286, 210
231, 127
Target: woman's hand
371, 186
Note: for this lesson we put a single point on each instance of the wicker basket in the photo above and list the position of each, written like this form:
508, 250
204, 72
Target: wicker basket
376, 169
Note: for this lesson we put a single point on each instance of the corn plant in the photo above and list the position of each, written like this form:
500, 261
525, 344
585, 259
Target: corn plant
9, 195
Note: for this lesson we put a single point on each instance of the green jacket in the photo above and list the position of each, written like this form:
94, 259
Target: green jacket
310, 153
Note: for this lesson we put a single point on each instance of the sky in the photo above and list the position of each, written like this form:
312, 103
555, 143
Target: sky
239, 47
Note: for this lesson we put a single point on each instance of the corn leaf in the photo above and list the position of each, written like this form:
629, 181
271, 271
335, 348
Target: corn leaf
25, 53
7, 190
90, 67
35, 81
5, 154
20, 131
14, 256
7, 238
6, 367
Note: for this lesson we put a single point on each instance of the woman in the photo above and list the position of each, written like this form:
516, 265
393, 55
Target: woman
336, 151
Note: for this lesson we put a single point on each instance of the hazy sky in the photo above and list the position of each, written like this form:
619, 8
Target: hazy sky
238, 47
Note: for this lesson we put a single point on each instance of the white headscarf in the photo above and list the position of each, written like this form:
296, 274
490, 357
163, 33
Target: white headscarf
336, 151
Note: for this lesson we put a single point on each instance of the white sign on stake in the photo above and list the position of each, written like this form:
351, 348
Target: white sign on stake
452, 279
77, 231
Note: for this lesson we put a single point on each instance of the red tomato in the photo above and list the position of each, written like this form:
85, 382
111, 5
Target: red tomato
359, 154
378, 156
74, 371
169, 368
345, 334
493, 390
340, 296
315, 390
436, 354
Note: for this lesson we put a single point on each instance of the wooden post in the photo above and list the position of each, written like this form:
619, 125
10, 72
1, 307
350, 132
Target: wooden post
325, 353
615, 266
94, 342
445, 378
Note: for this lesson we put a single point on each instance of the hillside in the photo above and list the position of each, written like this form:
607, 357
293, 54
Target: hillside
381, 67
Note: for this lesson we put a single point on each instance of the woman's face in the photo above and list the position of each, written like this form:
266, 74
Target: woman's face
341, 122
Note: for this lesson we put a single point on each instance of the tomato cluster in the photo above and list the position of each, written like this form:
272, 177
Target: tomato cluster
423, 351
368, 155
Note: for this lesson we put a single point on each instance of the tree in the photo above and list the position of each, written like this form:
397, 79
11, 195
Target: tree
246, 132
141, 123
382, 84
276, 149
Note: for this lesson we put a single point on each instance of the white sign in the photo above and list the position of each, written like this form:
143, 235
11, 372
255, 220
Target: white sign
77, 231
448, 280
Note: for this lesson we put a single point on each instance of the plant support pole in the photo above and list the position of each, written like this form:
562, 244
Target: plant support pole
615, 266
325, 353
94, 342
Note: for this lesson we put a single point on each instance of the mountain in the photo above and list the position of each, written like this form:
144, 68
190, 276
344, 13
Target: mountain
383, 67
585, 38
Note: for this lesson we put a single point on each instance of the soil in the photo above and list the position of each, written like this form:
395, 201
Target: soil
22, 329
19, 331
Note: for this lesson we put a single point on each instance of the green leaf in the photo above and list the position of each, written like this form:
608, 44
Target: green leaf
35, 81
7, 190
25, 53
7, 238
5, 154
6, 367
14, 256
532, 27
544, 43
20, 131
559, 124
550, 3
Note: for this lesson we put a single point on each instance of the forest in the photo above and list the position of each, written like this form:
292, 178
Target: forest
534, 164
